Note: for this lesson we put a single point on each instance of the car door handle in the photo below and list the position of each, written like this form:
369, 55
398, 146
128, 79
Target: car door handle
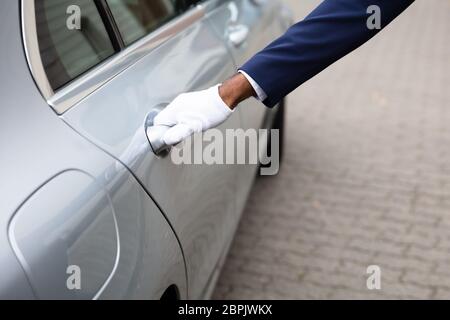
155, 134
238, 34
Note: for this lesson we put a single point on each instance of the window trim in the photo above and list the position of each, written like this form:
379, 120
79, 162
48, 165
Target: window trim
81, 87
110, 25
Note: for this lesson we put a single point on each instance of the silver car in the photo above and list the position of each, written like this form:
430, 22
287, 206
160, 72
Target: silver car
88, 210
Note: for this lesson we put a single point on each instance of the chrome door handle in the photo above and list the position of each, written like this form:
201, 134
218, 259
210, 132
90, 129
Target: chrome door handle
238, 34
155, 134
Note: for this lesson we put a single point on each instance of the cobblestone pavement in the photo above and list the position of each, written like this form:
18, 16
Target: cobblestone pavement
366, 178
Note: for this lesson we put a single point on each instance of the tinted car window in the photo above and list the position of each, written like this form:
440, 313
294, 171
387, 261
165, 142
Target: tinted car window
72, 38
137, 18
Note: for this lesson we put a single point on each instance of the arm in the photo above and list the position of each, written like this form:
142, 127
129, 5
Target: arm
331, 31
334, 29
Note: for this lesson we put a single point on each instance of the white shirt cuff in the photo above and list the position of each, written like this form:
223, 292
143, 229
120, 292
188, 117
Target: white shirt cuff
259, 91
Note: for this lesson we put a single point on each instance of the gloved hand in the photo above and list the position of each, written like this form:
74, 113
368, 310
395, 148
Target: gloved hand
191, 113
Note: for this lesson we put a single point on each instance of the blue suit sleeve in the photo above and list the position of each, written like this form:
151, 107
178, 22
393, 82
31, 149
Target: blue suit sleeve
331, 31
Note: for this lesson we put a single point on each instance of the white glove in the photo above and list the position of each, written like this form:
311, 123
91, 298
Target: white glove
191, 113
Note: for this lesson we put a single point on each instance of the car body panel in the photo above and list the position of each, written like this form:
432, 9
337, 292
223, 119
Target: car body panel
37, 146
80, 175
197, 199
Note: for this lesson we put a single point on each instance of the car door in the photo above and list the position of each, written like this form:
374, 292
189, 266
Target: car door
78, 222
247, 26
165, 49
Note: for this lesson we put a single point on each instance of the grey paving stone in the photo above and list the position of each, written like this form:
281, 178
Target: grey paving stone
366, 176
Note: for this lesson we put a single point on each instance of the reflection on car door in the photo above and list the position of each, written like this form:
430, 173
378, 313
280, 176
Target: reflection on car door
246, 27
199, 200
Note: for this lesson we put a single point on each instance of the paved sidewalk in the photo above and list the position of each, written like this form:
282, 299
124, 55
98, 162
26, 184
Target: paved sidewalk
366, 178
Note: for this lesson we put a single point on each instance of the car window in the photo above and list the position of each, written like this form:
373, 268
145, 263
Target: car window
72, 38
137, 18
